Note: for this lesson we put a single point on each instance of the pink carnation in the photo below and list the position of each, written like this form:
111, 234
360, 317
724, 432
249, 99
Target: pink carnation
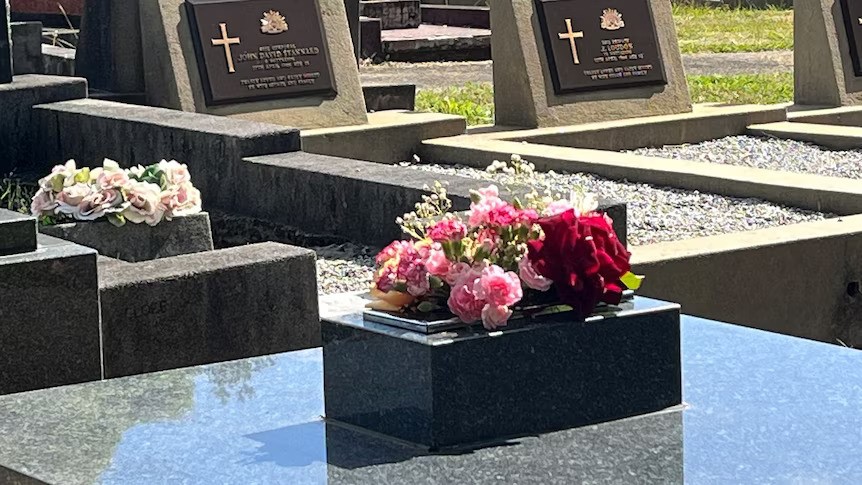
499, 287
495, 316
448, 230
437, 263
403, 262
462, 299
490, 201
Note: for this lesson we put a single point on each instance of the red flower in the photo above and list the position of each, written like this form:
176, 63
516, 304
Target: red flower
583, 257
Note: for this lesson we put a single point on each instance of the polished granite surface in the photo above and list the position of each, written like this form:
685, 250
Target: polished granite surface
761, 408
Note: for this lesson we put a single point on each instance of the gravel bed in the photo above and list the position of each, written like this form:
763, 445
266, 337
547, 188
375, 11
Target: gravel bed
768, 153
657, 214
344, 267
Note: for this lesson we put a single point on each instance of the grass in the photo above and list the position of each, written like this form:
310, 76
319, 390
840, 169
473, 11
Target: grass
723, 29
15, 195
475, 101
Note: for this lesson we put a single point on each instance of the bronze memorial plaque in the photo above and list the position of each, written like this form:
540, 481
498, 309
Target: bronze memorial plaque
250, 50
594, 45
852, 10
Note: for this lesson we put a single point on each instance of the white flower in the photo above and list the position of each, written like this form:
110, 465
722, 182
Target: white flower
144, 203
176, 172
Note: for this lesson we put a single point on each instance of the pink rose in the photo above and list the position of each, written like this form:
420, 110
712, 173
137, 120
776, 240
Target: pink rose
97, 204
43, 203
73, 195
531, 277
177, 173
499, 287
495, 316
462, 299
112, 179
181, 200
144, 203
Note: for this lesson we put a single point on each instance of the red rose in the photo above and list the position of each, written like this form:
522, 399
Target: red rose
584, 259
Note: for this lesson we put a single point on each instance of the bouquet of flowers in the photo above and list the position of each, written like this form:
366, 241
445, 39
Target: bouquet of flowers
140, 194
500, 256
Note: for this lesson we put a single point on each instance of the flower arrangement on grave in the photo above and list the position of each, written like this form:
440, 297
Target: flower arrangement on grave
139, 194
499, 256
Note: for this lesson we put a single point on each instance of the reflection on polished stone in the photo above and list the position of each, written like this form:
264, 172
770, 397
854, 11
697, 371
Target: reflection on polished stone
760, 408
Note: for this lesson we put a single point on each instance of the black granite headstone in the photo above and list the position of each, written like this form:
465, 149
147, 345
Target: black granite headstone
352, 9
852, 10
593, 46
259, 49
5, 44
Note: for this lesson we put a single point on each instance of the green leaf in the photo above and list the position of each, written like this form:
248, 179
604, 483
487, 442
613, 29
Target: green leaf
117, 219
427, 306
631, 280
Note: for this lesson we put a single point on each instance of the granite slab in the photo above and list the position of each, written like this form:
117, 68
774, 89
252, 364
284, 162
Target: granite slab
760, 408
17, 233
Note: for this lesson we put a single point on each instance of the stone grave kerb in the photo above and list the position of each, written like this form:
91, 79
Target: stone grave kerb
524, 94
173, 79
5, 44
823, 73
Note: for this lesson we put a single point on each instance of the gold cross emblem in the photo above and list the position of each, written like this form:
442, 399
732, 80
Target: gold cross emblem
226, 42
572, 36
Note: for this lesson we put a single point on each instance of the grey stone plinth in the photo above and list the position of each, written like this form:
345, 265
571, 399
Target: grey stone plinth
208, 307
393, 14
49, 317
211, 145
139, 242
18, 145
27, 47
468, 386
348, 198
17, 233
58, 61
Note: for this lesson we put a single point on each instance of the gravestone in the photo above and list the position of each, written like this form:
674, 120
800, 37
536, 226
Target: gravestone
5, 43
563, 62
827, 44
109, 47
288, 62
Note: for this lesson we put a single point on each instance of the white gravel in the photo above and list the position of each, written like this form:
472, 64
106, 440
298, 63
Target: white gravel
768, 153
657, 214
344, 267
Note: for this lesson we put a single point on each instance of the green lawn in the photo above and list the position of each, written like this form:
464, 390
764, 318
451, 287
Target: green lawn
476, 101
722, 29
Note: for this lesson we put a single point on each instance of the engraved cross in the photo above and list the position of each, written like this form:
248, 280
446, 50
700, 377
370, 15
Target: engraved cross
226, 42
572, 36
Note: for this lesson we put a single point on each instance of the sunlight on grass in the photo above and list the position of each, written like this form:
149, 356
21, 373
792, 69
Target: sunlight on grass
475, 101
722, 29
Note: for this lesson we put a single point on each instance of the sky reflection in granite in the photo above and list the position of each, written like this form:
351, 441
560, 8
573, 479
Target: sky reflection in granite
761, 408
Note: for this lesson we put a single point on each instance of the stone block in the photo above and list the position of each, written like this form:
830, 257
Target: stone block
393, 14
49, 317
524, 94
58, 61
27, 47
173, 80
369, 38
477, 17
109, 46
351, 7
390, 96
212, 146
17, 233
6, 70
18, 133
348, 198
139, 242
823, 72
208, 307
538, 376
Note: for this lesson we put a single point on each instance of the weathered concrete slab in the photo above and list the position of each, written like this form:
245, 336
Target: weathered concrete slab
829, 136
58, 61
49, 317
210, 145
208, 307
139, 242
18, 145
437, 43
17, 233
348, 198
27, 47
801, 280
